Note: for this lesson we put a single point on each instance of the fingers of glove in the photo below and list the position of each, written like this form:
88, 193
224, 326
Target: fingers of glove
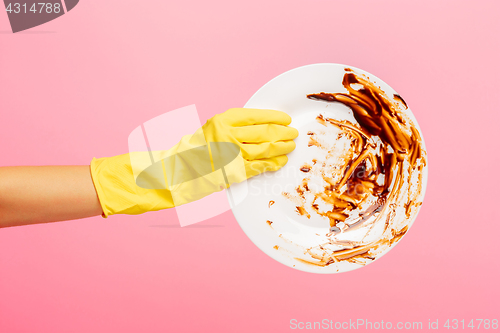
244, 117
256, 167
267, 149
264, 133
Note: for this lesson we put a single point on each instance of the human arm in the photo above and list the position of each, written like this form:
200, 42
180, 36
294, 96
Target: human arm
40, 194
139, 182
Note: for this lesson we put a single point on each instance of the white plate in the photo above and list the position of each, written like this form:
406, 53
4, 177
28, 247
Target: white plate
290, 235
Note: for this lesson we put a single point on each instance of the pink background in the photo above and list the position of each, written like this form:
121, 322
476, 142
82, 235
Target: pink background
74, 89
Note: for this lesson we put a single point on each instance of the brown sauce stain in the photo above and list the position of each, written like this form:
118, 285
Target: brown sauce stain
399, 149
306, 168
314, 142
302, 211
400, 99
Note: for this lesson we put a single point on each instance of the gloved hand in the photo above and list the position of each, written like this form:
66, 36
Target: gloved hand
229, 148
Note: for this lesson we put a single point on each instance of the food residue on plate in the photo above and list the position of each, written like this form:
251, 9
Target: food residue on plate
377, 188
306, 168
301, 210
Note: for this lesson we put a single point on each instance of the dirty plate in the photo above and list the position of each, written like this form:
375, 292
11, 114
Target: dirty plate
355, 182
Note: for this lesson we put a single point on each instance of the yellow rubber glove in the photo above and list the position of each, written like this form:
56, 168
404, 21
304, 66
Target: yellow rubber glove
229, 148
